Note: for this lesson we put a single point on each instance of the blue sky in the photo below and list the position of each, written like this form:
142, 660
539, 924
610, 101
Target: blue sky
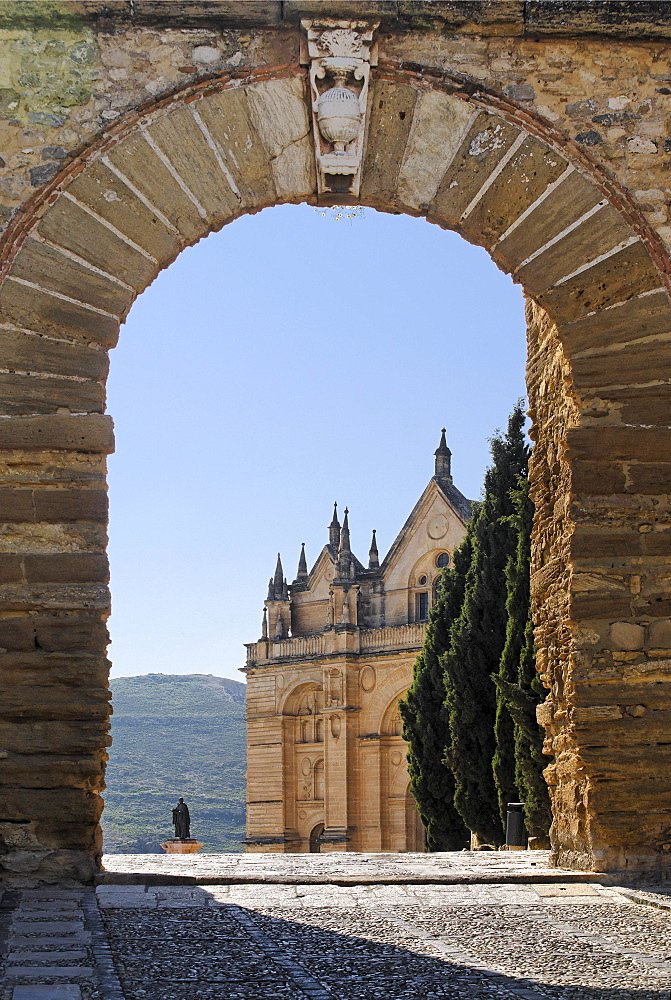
286, 362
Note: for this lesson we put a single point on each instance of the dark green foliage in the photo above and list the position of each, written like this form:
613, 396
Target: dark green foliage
477, 640
175, 735
425, 720
518, 684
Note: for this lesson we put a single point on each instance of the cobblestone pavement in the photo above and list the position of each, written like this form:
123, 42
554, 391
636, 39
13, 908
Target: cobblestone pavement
53, 946
320, 940
559, 942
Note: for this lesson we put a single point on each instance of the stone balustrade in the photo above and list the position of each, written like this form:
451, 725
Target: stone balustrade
336, 641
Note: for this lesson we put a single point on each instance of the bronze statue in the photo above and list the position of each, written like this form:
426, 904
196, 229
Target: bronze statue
181, 821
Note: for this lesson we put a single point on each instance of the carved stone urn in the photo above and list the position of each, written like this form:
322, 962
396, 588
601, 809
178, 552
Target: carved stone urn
339, 115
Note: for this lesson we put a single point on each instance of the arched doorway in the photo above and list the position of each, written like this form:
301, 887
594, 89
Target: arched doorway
316, 838
87, 242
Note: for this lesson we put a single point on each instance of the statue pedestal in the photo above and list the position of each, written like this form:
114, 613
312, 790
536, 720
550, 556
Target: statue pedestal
189, 846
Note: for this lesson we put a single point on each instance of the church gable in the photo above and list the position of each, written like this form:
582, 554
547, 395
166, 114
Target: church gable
432, 528
319, 581
310, 596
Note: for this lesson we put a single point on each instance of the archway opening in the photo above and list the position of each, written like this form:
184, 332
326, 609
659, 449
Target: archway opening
501, 176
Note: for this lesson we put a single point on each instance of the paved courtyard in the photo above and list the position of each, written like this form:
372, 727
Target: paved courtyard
328, 926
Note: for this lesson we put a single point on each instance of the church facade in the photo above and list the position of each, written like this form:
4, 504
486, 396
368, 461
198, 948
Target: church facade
326, 761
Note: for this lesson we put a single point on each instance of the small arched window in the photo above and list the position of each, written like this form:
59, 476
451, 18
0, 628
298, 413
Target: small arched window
422, 581
443, 560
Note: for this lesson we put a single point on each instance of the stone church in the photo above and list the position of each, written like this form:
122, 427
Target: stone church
326, 759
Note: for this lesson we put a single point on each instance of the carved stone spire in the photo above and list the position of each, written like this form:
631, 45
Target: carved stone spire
302, 564
344, 551
279, 626
334, 529
373, 556
279, 575
443, 459
264, 624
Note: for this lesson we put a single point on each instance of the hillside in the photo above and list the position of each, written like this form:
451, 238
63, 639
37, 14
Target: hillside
175, 735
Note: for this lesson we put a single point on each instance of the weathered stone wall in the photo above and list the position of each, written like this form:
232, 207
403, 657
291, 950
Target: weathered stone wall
537, 131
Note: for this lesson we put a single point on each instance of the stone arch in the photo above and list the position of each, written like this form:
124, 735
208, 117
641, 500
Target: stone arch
387, 694
296, 692
597, 276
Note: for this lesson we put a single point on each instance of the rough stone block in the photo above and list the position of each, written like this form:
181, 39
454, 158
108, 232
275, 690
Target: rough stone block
487, 141
659, 634
279, 112
206, 13
438, 128
391, 113
92, 432
30, 394
226, 116
561, 208
595, 236
524, 178
604, 604
624, 635
649, 477
65, 506
54, 633
59, 835
643, 316
639, 363
40, 668
23, 352
135, 158
31, 309
604, 543
17, 633
55, 737
11, 568
101, 190
67, 567
60, 805
49, 269
615, 443
638, 795
51, 702
53, 771
644, 406
598, 478
615, 279
55, 597
182, 141
69, 226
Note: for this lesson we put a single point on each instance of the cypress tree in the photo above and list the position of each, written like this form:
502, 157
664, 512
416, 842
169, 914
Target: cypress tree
477, 639
425, 719
518, 684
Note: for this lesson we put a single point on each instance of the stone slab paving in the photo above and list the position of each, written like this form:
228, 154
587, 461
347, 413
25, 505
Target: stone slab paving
312, 930
561, 941
341, 869
53, 946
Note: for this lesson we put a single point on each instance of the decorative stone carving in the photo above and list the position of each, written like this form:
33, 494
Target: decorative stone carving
335, 726
339, 54
367, 678
335, 686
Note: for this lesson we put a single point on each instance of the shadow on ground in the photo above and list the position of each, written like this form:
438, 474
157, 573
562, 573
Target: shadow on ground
357, 953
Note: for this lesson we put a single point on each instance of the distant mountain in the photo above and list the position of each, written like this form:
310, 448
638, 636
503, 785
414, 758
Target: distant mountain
175, 735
